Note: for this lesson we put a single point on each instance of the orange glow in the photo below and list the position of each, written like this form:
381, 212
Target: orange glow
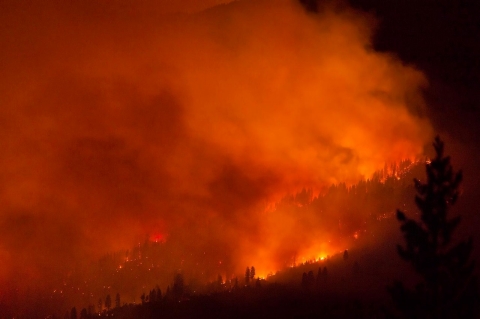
158, 238
120, 123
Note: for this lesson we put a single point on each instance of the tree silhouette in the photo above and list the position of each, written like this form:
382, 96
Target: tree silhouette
108, 302
91, 310
447, 289
117, 300
159, 294
168, 293
345, 255
310, 280
252, 273
247, 276
73, 313
235, 285
178, 286
83, 314
152, 296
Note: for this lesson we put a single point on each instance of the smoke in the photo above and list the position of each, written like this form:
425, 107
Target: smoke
121, 118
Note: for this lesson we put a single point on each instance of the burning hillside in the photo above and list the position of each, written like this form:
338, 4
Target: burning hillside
334, 223
118, 123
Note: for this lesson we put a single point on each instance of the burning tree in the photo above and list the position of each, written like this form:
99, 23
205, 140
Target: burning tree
448, 288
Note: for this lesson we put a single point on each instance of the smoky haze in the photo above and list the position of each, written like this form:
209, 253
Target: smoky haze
121, 119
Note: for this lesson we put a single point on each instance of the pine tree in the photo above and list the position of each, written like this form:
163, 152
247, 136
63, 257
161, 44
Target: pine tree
152, 296
448, 288
310, 279
159, 294
168, 293
91, 310
235, 285
108, 302
247, 276
117, 300
178, 286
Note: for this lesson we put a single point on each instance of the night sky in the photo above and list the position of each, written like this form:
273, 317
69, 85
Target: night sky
441, 39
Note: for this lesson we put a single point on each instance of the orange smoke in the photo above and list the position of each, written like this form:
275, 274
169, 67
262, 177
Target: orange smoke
115, 119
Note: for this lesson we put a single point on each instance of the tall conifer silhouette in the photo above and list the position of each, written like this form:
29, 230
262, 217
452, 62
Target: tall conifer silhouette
448, 288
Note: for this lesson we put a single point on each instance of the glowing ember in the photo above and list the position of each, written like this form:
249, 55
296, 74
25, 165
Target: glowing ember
158, 238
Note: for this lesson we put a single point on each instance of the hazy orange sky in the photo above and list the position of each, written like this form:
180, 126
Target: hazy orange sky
121, 118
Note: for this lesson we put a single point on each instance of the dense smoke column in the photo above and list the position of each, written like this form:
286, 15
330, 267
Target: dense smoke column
118, 123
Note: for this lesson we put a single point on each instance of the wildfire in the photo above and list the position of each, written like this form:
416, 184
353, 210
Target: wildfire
206, 126
158, 238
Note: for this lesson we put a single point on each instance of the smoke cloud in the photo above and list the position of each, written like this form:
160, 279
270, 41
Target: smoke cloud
186, 118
